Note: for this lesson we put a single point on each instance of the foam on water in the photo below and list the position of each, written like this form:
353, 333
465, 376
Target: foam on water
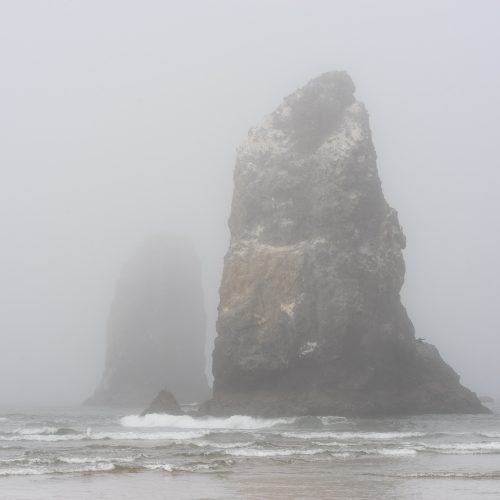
36, 430
396, 452
120, 436
100, 467
463, 448
372, 436
253, 452
189, 467
95, 460
493, 475
223, 446
91, 443
492, 435
242, 422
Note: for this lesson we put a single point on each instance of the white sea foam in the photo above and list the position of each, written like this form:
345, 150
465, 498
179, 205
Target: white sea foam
253, 452
223, 446
69, 460
463, 448
352, 435
395, 452
44, 437
149, 436
125, 436
36, 430
332, 420
165, 467
22, 472
329, 443
94, 460
100, 467
192, 467
450, 475
235, 422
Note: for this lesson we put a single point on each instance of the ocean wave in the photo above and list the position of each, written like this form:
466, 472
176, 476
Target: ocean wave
492, 475
390, 452
96, 460
371, 436
117, 436
44, 437
394, 452
254, 452
100, 467
69, 460
22, 460
190, 467
235, 422
222, 446
332, 420
57, 431
462, 448
34, 430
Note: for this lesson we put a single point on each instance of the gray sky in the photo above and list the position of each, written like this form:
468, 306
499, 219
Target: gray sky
121, 118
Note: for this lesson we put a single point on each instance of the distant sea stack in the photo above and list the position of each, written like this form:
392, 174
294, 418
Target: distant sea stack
156, 330
310, 315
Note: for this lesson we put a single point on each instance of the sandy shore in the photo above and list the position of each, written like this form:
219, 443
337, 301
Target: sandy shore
280, 481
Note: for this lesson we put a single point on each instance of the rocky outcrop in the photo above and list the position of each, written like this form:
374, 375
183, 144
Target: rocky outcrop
486, 399
156, 330
165, 402
310, 316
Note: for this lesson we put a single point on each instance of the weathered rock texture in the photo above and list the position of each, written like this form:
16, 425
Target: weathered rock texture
310, 316
156, 330
165, 402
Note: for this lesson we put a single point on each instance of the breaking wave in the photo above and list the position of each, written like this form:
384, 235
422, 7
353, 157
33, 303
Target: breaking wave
235, 422
449, 475
100, 467
98, 436
168, 444
462, 448
253, 452
190, 467
372, 436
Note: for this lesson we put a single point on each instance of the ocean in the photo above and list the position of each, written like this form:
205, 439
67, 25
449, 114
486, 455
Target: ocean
115, 454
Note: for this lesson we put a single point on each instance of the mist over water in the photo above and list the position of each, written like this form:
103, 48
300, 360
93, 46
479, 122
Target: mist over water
119, 121
414, 457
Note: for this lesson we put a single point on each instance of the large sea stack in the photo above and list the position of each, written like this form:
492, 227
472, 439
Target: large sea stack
156, 330
310, 316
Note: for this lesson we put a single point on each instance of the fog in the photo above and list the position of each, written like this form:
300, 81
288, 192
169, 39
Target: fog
120, 119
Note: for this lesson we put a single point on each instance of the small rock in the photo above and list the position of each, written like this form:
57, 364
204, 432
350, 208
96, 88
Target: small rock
486, 399
165, 402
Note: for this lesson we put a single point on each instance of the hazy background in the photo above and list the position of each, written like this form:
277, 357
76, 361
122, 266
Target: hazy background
121, 118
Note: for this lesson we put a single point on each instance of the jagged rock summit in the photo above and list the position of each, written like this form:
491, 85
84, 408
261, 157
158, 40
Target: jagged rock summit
310, 316
156, 329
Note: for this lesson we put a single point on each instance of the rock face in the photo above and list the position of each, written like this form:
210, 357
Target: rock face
310, 317
165, 402
486, 399
156, 330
